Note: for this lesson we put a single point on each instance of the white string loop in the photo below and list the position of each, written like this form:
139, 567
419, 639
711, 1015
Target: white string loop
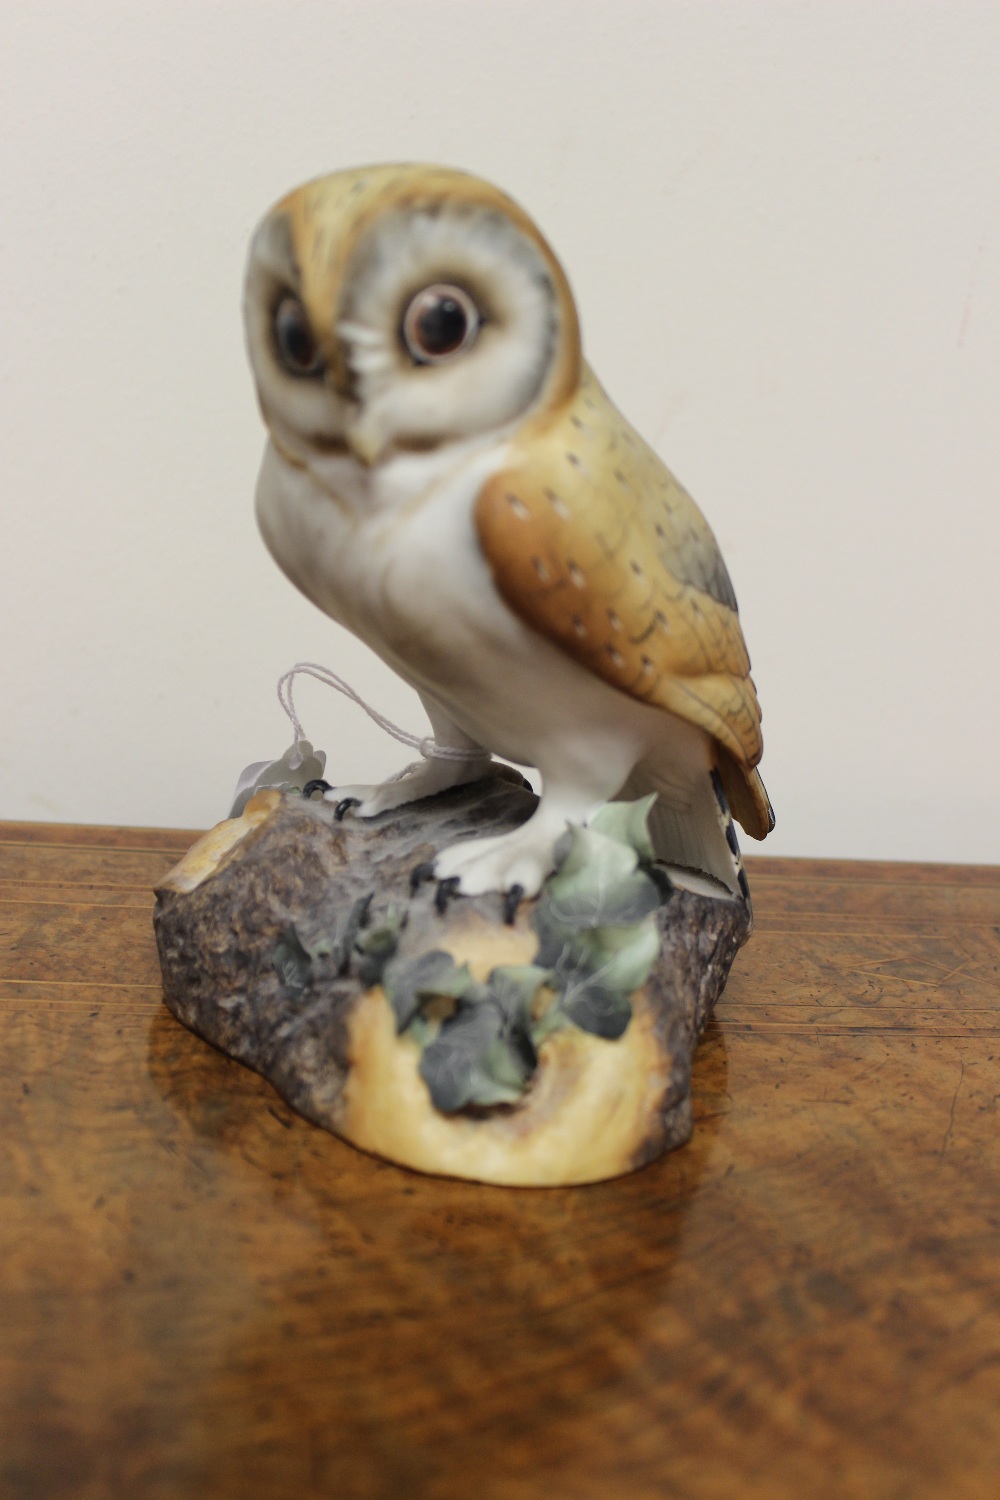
428, 746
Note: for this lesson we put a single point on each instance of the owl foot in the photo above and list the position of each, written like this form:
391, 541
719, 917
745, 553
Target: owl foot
510, 862
425, 779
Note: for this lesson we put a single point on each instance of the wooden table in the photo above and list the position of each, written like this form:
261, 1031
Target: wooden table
204, 1296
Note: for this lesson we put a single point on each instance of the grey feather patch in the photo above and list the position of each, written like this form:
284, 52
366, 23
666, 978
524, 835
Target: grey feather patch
694, 558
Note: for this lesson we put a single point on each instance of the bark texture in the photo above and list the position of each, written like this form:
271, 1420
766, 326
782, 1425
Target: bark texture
325, 1038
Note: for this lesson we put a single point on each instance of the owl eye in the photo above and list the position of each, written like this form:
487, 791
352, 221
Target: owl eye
439, 323
297, 347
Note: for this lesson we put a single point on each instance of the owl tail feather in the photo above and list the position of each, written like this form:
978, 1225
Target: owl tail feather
746, 794
692, 829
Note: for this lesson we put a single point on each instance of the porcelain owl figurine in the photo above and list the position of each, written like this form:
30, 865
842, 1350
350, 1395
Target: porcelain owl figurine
446, 478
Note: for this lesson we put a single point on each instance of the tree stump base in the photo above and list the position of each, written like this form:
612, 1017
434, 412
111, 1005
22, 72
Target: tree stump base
296, 943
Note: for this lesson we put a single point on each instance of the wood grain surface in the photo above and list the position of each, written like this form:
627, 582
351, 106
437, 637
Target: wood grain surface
202, 1295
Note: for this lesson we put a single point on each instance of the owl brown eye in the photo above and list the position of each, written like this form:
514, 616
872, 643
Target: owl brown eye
439, 323
297, 348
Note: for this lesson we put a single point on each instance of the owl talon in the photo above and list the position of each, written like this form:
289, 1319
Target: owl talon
446, 891
508, 862
317, 785
511, 901
344, 806
419, 875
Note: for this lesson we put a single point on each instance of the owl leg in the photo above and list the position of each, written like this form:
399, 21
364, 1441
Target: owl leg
426, 777
572, 791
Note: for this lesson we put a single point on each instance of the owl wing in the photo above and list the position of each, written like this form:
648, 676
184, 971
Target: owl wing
593, 543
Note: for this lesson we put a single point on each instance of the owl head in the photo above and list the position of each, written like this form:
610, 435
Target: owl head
397, 308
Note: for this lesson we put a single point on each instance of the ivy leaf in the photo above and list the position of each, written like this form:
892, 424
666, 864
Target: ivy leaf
484, 1053
593, 1007
293, 961
377, 945
589, 851
510, 1062
622, 957
590, 904
408, 982
598, 940
340, 946
477, 1059
596, 974
552, 936
514, 987
627, 823
598, 884
450, 1065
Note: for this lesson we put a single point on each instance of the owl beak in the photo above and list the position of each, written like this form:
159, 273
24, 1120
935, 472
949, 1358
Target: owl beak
365, 442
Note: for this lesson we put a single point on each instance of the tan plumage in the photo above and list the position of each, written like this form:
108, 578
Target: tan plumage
594, 543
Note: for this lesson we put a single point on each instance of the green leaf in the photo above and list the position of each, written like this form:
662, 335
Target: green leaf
597, 972
484, 1053
594, 1008
628, 823
598, 883
293, 961
621, 957
409, 982
340, 944
378, 944
589, 851
421, 1031
509, 1063
553, 935
477, 1058
551, 1019
514, 986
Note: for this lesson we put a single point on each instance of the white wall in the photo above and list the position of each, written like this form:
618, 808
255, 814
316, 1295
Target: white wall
782, 223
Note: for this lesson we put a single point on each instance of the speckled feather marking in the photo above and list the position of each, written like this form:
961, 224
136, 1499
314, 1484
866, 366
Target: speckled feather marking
595, 544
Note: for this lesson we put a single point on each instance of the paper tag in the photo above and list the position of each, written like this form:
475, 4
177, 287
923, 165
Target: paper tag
299, 765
